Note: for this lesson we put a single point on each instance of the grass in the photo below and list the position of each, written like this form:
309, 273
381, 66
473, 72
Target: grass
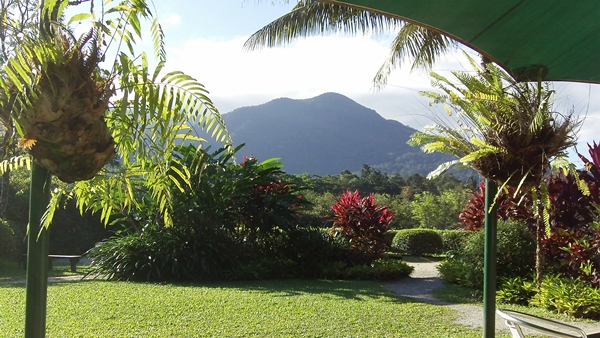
458, 294
276, 308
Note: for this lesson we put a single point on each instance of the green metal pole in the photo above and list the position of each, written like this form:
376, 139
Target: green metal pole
489, 266
37, 254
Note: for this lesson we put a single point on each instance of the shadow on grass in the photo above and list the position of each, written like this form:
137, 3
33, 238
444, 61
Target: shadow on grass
356, 290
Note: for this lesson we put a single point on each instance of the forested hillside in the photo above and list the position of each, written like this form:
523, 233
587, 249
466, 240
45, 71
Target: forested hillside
326, 135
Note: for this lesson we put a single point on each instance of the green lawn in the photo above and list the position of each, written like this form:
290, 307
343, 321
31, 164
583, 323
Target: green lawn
279, 308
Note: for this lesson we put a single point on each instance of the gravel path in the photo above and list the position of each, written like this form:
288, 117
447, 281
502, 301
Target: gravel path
425, 278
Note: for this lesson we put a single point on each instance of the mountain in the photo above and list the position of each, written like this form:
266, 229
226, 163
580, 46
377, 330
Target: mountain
326, 135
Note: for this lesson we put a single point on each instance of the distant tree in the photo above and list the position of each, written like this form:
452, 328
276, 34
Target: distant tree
447, 181
438, 211
419, 183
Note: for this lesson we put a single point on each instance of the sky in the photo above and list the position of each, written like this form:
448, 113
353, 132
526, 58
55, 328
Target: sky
204, 39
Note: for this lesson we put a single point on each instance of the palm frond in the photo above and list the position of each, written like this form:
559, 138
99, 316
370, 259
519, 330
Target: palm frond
514, 135
310, 18
417, 43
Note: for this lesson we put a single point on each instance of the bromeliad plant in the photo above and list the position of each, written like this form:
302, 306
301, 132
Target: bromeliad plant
74, 108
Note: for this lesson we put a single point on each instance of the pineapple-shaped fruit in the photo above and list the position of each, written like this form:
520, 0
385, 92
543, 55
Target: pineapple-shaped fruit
63, 125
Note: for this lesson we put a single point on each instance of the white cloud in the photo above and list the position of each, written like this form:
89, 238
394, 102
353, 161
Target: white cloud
304, 69
170, 21
346, 65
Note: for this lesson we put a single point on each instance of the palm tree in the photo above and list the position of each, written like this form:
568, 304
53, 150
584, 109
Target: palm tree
308, 17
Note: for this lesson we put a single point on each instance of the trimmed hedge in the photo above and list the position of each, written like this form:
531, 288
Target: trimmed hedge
417, 242
427, 241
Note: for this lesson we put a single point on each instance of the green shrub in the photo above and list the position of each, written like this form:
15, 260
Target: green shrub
515, 257
417, 242
516, 290
8, 241
380, 269
306, 248
572, 297
164, 254
453, 271
452, 240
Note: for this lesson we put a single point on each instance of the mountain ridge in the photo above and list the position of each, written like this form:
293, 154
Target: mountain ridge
327, 134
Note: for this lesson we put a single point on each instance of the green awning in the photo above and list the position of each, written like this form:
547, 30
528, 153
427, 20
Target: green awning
562, 38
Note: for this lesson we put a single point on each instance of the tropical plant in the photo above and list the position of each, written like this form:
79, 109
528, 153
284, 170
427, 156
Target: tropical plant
310, 17
72, 115
516, 290
506, 131
568, 296
363, 223
574, 243
509, 206
164, 254
570, 247
249, 198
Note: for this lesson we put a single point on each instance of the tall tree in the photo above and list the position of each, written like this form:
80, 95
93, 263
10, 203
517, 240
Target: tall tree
310, 17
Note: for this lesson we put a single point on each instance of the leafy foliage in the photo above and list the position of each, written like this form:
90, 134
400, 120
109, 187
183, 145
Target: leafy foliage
516, 290
509, 207
252, 198
452, 240
571, 244
507, 130
164, 254
363, 223
516, 257
236, 221
379, 269
568, 296
438, 212
574, 244
53, 71
575, 251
